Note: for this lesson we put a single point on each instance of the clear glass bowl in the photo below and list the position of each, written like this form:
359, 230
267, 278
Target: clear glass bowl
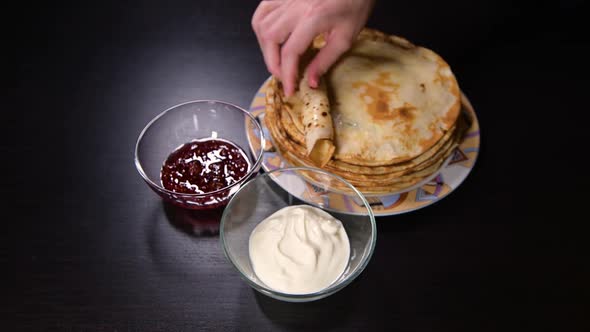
269, 192
186, 122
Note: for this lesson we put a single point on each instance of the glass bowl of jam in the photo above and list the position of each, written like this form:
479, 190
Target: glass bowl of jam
196, 155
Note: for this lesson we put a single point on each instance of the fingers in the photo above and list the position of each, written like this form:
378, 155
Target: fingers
337, 44
264, 15
271, 53
263, 9
278, 27
296, 45
286, 28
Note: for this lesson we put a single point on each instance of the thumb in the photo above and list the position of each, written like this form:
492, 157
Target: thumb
325, 58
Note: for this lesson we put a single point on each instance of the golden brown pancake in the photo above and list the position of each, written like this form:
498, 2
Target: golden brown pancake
387, 118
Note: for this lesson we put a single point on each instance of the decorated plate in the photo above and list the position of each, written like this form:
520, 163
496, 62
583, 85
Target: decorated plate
450, 176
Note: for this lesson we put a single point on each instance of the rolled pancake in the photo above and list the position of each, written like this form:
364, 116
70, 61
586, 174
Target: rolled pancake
292, 106
305, 117
317, 121
290, 127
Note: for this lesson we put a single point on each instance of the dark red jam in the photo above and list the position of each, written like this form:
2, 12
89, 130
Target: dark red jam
203, 166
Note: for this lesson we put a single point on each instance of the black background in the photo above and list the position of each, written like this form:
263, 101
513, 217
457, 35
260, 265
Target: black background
86, 246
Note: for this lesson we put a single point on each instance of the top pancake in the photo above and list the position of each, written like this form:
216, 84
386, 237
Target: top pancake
390, 100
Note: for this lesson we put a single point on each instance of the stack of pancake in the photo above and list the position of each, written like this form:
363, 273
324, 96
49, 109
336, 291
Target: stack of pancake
385, 117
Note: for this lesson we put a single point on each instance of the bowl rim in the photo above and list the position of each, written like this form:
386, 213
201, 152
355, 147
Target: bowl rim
334, 287
255, 167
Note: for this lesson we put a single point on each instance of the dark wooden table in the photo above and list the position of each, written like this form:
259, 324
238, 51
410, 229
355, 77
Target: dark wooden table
86, 246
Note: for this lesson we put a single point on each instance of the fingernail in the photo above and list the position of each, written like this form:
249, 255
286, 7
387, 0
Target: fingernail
276, 74
313, 82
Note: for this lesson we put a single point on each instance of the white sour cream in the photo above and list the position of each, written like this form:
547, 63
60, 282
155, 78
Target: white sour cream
299, 250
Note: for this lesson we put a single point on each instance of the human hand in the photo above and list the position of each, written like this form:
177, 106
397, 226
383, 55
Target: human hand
286, 28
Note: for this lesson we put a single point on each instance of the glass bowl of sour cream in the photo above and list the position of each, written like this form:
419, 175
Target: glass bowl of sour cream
196, 155
296, 240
